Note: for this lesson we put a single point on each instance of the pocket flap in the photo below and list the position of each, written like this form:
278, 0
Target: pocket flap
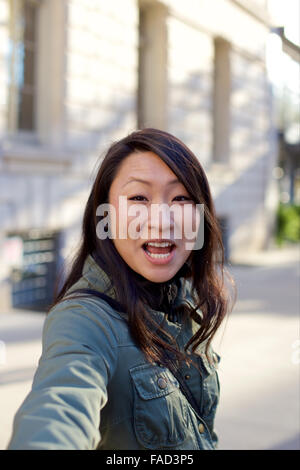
153, 381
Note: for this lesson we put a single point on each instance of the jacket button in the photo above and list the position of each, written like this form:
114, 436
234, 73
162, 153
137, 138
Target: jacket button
201, 428
187, 377
162, 383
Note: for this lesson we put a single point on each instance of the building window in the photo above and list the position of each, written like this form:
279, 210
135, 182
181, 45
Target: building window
22, 83
221, 101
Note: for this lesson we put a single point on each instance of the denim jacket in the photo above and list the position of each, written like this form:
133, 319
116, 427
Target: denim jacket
94, 388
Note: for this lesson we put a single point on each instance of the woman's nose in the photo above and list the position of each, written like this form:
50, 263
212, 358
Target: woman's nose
160, 221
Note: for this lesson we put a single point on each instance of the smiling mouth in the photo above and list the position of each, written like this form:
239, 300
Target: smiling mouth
158, 250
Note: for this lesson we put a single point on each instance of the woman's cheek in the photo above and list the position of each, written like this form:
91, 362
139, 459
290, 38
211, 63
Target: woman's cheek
191, 223
120, 225
185, 222
138, 222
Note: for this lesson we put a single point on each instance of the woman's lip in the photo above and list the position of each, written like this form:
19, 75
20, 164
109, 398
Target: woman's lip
165, 260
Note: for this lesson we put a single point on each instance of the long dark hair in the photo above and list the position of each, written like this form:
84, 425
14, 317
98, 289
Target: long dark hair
206, 273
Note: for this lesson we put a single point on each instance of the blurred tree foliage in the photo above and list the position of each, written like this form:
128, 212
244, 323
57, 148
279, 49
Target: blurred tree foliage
288, 223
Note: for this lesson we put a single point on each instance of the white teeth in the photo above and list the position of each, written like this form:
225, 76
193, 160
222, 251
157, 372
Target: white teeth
161, 245
156, 255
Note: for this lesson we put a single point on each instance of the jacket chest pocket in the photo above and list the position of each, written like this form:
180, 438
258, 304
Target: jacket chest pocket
160, 415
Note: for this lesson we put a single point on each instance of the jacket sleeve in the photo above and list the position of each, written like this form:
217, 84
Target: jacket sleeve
79, 355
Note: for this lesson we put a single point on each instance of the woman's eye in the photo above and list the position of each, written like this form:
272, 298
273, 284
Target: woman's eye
185, 198
137, 198
140, 198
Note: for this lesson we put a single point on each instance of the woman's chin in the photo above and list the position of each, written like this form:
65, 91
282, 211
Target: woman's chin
156, 278
157, 275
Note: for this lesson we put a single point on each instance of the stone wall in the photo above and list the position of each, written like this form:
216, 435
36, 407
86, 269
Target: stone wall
87, 97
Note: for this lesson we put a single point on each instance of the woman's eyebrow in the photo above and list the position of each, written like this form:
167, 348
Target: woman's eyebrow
139, 180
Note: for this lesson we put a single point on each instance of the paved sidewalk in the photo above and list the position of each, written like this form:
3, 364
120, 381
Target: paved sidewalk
20, 332
259, 369
260, 349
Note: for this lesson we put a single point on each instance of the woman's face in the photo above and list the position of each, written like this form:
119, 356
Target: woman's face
149, 239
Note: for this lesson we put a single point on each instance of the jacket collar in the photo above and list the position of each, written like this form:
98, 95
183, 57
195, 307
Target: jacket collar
94, 277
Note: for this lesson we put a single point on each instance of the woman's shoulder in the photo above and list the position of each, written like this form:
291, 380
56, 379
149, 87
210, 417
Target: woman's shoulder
83, 318
91, 305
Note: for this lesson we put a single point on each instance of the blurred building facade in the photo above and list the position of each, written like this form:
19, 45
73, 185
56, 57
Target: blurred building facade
76, 75
287, 104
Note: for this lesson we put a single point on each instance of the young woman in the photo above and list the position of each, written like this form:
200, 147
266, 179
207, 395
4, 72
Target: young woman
127, 361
